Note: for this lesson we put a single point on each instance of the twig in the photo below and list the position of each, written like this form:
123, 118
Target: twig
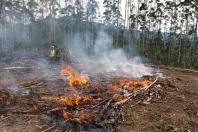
145, 88
135, 104
24, 112
53, 110
12, 68
98, 104
122, 101
48, 129
31, 115
4, 118
131, 95
108, 103
106, 106
102, 112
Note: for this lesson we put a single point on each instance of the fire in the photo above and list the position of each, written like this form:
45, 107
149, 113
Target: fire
82, 116
72, 100
117, 96
74, 78
67, 115
127, 83
93, 92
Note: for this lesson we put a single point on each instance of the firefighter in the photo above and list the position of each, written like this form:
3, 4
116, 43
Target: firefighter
53, 53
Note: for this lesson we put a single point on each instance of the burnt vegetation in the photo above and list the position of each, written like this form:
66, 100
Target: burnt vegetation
65, 65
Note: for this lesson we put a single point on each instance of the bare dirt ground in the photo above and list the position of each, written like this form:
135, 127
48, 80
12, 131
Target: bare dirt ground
163, 108
172, 108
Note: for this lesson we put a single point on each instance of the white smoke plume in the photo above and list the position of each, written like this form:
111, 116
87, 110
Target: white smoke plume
106, 58
9, 83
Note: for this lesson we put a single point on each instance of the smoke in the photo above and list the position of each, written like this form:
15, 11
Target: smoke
9, 83
94, 50
43, 68
106, 58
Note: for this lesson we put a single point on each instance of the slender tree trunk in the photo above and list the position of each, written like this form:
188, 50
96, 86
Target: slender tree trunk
1, 8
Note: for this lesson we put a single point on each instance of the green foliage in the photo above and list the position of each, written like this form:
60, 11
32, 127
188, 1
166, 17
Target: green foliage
155, 130
184, 128
112, 13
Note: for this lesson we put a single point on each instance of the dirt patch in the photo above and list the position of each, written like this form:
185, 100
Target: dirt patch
172, 108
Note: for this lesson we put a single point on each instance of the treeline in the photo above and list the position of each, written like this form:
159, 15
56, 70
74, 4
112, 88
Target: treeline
163, 31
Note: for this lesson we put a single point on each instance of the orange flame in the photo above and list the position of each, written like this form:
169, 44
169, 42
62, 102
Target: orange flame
80, 117
74, 78
73, 100
111, 88
67, 115
127, 83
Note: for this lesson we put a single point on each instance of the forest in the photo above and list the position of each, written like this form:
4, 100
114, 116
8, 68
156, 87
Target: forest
98, 65
162, 32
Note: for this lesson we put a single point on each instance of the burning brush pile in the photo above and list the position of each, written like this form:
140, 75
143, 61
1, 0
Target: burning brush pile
94, 102
90, 100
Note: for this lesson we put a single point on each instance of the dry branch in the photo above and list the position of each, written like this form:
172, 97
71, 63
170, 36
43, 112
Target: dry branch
98, 104
13, 68
122, 101
48, 129
131, 95
53, 110
105, 107
145, 88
